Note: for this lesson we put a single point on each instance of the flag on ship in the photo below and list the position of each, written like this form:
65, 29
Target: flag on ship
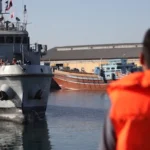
8, 5
12, 15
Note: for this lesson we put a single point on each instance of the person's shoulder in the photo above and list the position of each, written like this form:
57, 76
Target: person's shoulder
129, 80
119, 89
116, 88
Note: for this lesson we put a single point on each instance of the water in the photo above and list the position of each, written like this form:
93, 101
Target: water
74, 122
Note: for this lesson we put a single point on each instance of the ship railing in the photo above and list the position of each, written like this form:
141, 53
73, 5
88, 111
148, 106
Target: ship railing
39, 48
12, 27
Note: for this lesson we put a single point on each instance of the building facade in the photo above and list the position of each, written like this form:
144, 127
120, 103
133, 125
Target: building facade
87, 57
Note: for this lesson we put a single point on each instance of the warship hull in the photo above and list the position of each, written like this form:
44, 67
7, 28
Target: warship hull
26, 89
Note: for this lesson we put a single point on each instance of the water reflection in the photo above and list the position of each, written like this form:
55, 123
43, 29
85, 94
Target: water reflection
84, 99
33, 136
10, 135
75, 119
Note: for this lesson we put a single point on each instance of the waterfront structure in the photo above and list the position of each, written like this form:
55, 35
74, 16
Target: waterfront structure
87, 57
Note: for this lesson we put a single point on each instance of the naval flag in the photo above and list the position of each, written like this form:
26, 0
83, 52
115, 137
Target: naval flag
8, 6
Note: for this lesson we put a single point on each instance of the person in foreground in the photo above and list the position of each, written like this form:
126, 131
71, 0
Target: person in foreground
127, 126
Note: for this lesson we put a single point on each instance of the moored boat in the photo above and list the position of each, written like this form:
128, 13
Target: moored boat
76, 81
114, 70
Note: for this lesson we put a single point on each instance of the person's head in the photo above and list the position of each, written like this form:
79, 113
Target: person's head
145, 54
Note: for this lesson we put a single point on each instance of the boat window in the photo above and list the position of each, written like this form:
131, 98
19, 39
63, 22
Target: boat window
108, 68
108, 75
25, 40
18, 40
119, 63
2, 40
113, 68
9, 39
119, 67
118, 70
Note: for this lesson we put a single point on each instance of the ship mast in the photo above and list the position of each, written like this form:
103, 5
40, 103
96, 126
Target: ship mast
19, 25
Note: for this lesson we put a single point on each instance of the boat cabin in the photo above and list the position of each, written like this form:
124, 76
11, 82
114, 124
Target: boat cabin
117, 67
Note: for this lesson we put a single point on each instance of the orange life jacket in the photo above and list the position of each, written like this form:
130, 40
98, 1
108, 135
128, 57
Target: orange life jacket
130, 111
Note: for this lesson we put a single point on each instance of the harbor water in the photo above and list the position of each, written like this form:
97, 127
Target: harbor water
74, 121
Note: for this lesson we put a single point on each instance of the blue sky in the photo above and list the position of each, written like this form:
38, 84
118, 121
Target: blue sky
79, 22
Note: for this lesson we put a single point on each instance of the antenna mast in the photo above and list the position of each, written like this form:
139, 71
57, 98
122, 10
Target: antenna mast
25, 16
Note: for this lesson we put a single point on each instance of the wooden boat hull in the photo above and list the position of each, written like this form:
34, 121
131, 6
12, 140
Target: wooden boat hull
72, 81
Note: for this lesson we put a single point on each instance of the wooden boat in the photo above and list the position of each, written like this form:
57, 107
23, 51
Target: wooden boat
88, 81
79, 81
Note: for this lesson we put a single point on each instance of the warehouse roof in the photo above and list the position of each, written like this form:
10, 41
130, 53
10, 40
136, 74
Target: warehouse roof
86, 52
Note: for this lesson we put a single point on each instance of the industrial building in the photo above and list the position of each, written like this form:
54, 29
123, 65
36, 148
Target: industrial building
87, 57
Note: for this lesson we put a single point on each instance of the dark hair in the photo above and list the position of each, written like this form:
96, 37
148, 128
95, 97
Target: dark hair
146, 48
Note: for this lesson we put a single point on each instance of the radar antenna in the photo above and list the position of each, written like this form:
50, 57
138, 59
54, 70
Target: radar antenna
4, 22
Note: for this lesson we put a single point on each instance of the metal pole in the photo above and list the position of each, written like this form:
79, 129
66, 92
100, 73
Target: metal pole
22, 54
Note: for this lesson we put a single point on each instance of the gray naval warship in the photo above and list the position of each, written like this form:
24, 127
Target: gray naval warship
24, 83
